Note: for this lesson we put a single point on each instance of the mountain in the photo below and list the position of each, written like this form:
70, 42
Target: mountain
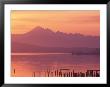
45, 38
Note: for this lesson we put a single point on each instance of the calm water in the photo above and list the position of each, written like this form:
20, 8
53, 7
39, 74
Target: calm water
24, 64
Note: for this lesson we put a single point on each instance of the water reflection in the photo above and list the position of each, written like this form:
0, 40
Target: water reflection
44, 65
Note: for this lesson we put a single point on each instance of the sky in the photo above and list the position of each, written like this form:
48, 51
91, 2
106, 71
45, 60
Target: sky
85, 22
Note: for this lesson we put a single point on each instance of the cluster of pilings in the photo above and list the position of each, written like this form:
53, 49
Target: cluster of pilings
69, 73
66, 73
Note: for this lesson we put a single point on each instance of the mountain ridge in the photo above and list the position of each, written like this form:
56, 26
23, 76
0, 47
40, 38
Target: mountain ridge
41, 29
49, 39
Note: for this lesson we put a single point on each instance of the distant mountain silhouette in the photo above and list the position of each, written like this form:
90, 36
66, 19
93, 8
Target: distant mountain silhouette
46, 38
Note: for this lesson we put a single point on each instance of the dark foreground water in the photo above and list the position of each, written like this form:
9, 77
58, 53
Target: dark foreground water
44, 64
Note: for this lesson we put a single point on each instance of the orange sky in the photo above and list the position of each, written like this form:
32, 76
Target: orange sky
84, 22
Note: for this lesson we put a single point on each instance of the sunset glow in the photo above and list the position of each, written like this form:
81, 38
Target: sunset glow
84, 22
55, 43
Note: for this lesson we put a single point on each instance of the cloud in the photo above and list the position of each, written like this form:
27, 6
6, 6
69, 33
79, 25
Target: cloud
65, 20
